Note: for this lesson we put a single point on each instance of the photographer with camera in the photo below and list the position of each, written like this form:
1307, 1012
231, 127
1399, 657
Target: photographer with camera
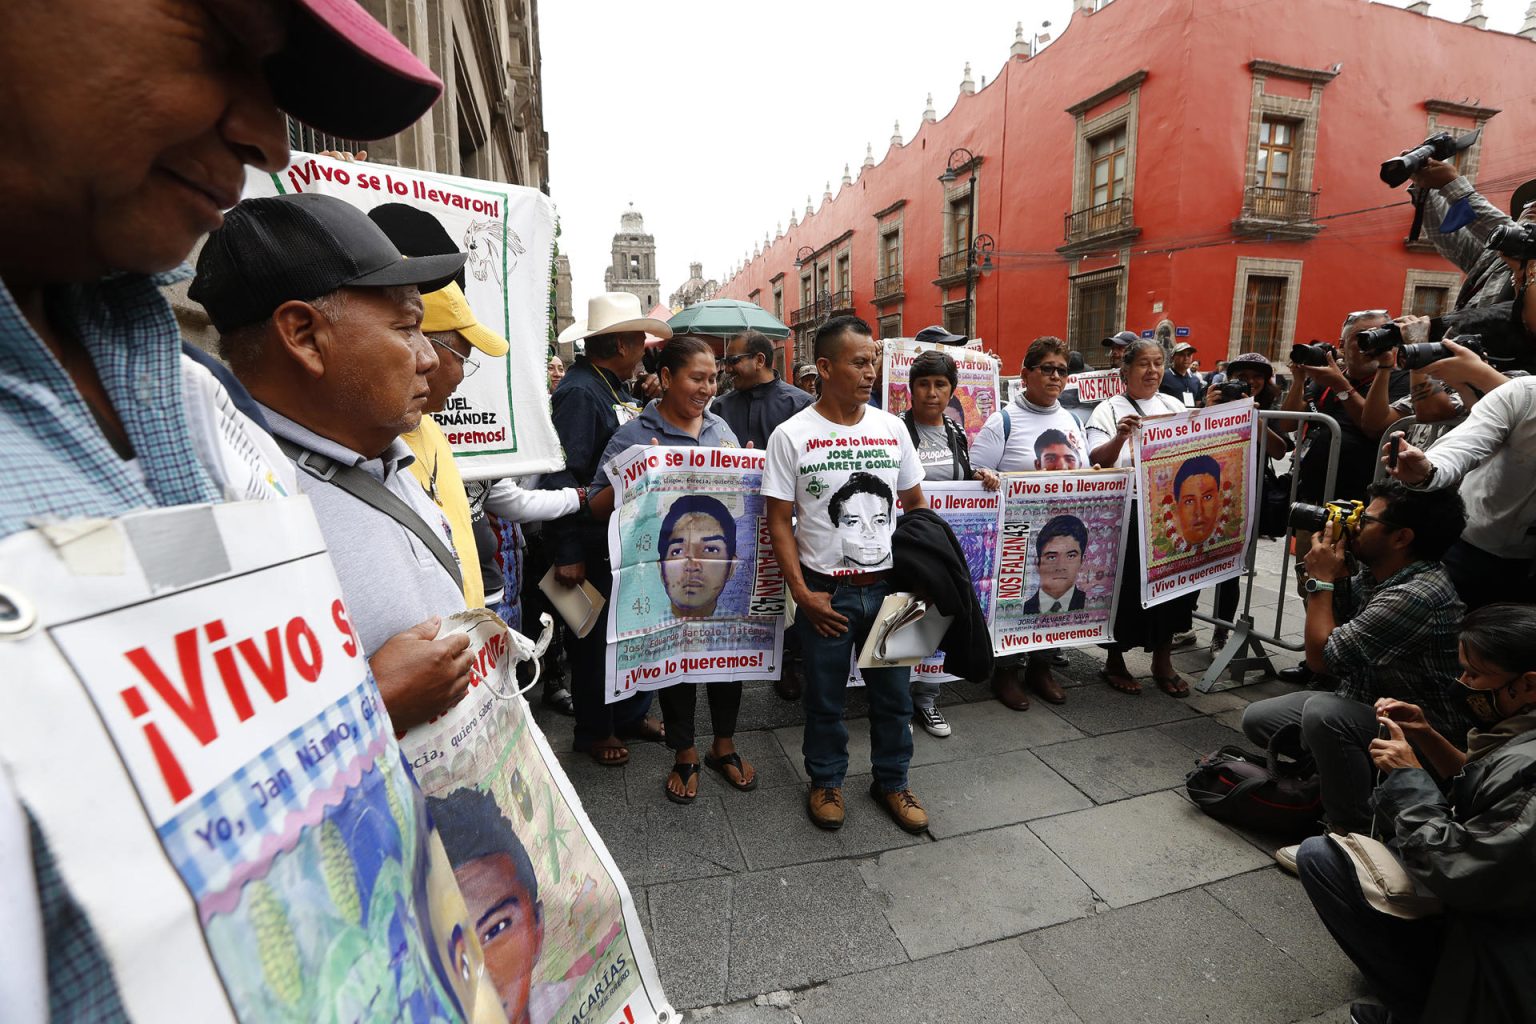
1491, 460
1249, 377
1466, 833
1459, 221
1403, 344
1387, 631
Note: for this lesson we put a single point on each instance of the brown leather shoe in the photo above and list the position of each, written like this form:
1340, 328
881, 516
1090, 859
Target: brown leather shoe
902, 807
825, 807
1006, 687
1038, 677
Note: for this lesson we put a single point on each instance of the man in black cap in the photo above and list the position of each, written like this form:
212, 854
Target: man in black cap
319, 315
1117, 344
938, 335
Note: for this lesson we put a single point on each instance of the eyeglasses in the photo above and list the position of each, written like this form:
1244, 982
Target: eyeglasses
467, 362
1366, 517
1051, 371
733, 360
1365, 314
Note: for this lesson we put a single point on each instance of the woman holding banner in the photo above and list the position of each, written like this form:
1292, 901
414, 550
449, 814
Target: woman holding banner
945, 455
1109, 440
696, 555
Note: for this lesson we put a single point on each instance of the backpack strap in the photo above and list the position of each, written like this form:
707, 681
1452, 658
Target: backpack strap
1007, 426
365, 488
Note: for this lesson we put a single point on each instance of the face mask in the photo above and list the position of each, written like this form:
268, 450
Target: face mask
1483, 705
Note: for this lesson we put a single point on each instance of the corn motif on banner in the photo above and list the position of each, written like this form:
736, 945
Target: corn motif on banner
697, 594
236, 820
1060, 552
497, 422
1196, 472
976, 391
558, 925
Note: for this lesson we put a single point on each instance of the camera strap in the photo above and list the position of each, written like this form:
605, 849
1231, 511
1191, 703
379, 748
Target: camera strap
1418, 215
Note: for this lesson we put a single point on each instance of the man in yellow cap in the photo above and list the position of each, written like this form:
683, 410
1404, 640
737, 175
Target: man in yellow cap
460, 338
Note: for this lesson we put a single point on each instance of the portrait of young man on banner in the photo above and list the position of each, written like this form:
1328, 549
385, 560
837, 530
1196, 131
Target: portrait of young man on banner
976, 393
1196, 470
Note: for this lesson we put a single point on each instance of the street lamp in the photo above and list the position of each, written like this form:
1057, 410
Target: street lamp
976, 245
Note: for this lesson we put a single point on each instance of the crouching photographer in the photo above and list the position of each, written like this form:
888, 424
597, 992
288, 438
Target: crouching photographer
1469, 841
1249, 377
1387, 631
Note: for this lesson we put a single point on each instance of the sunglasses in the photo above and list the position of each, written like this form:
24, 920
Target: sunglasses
467, 362
1365, 314
1051, 371
733, 360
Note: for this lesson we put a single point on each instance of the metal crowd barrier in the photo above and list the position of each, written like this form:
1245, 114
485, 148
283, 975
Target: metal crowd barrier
1244, 651
1420, 435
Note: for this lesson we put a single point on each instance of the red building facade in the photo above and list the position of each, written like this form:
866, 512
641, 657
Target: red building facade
1209, 166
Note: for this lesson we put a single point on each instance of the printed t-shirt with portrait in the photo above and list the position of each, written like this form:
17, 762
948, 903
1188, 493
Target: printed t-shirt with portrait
844, 481
1105, 419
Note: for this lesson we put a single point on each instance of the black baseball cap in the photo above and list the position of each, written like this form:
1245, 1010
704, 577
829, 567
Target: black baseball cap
1120, 340
415, 232
271, 251
937, 335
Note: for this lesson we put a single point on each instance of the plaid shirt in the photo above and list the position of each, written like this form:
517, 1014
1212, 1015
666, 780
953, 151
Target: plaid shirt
58, 464
1398, 639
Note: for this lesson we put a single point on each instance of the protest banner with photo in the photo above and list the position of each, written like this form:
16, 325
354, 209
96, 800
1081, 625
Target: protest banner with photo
697, 593
1097, 385
1196, 472
976, 395
498, 421
972, 512
228, 752
1060, 549
561, 937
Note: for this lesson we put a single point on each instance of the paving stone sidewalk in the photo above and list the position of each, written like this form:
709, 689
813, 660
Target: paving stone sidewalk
1066, 878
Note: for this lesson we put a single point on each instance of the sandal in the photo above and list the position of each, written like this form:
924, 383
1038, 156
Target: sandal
610, 753
684, 771
1126, 684
732, 760
649, 730
1173, 686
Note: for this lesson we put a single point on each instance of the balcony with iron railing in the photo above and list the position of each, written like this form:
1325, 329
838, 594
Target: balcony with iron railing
952, 267
1286, 212
839, 302
1103, 224
814, 312
888, 288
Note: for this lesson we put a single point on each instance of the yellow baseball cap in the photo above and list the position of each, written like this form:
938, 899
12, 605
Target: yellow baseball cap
448, 310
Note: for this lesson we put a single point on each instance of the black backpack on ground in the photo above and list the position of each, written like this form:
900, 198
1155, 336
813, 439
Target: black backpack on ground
1276, 792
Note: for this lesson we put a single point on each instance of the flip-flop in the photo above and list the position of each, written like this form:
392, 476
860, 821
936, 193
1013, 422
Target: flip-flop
684, 771
734, 760
1173, 686
597, 747
1133, 690
649, 730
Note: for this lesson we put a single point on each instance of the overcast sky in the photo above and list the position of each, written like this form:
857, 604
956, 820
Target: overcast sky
717, 119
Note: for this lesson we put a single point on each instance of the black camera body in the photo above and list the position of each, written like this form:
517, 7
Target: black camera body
1231, 390
1345, 515
1314, 354
1517, 241
1440, 146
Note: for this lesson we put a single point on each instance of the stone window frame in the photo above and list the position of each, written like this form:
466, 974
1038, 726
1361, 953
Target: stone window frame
1308, 112
1479, 116
1416, 279
840, 281
952, 195
1078, 279
884, 319
1250, 266
1126, 114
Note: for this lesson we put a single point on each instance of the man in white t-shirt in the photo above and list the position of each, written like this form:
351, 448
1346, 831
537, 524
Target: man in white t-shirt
835, 472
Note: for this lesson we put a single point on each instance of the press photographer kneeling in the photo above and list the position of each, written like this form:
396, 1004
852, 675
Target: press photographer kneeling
1387, 631
1470, 841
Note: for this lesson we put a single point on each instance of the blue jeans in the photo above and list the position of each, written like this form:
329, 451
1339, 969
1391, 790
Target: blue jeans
1397, 957
827, 661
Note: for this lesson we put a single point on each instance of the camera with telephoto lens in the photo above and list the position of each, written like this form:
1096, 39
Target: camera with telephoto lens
1440, 146
1230, 390
1345, 515
1517, 241
1315, 354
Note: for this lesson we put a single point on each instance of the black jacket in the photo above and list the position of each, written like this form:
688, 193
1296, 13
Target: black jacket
754, 413
584, 412
927, 561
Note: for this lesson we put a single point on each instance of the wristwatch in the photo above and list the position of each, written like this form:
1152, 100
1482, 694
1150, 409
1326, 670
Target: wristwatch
1312, 586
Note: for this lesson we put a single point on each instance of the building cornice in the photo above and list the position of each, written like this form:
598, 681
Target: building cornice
1455, 109
1292, 71
898, 204
1125, 84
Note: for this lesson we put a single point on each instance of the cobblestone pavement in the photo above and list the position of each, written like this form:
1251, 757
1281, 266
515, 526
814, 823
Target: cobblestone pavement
1065, 878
